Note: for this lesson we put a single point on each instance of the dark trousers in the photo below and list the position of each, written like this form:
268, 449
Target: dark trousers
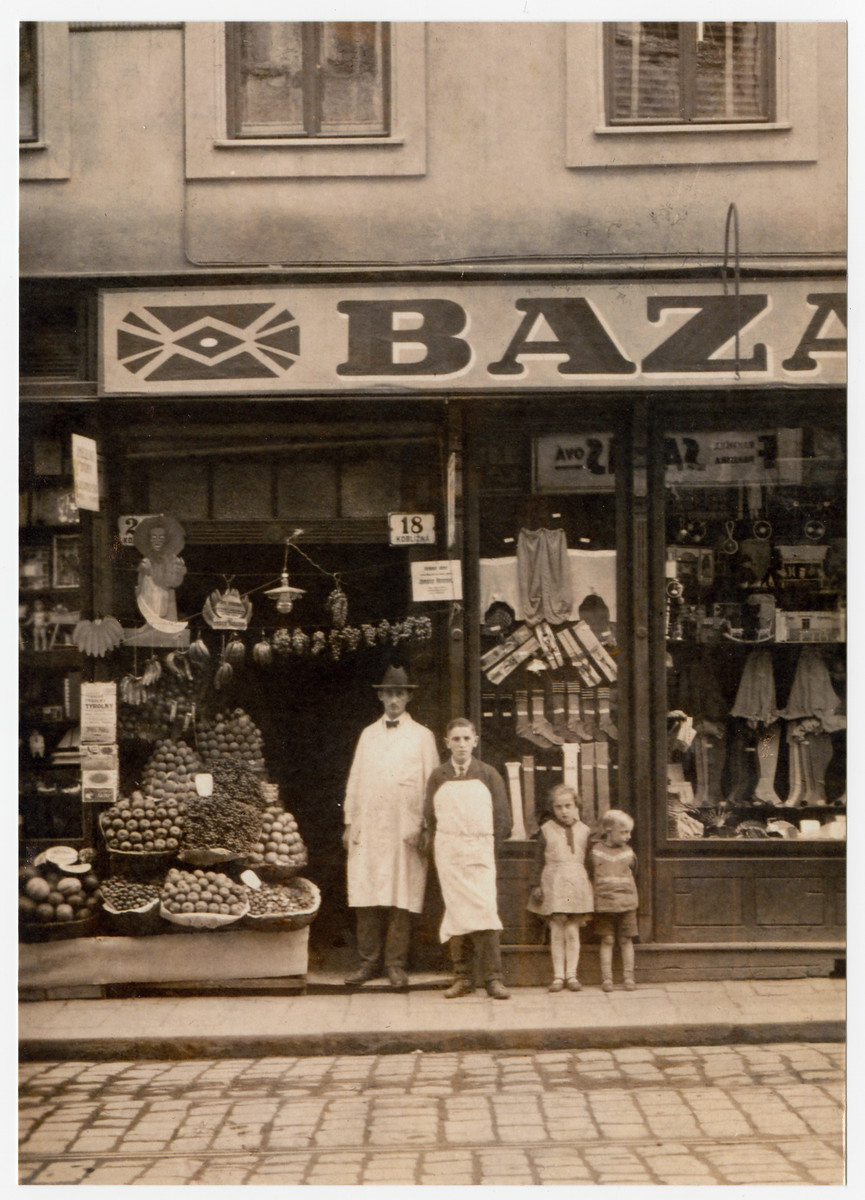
487, 955
383, 933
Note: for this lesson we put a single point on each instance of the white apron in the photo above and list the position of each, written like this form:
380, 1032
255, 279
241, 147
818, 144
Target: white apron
465, 857
384, 809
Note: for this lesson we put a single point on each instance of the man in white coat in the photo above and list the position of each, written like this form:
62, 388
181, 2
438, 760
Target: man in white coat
383, 813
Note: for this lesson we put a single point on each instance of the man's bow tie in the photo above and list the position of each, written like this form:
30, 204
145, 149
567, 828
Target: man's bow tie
391, 724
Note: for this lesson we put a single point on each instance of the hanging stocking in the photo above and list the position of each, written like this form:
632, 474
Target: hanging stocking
588, 811
587, 710
560, 720
821, 756
575, 723
524, 727
605, 721
795, 768
539, 724
710, 754
768, 745
737, 763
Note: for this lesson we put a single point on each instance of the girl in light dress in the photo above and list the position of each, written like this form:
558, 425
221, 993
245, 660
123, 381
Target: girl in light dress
563, 893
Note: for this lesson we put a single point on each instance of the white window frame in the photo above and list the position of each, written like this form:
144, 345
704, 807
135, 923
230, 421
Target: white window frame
212, 154
50, 155
592, 143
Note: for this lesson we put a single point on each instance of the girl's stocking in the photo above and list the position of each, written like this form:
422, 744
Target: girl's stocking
572, 949
607, 958
557, 947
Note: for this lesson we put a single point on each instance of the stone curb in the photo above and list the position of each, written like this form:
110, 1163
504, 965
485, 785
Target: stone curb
602, 1037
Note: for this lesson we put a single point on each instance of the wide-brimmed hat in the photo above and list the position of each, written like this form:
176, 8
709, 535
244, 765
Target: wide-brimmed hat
395, 677
174, 535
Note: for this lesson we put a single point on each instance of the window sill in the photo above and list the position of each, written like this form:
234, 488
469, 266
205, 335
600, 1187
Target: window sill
32, 145
745, 127
288, 143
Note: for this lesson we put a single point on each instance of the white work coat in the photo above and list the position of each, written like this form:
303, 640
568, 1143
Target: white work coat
384, 811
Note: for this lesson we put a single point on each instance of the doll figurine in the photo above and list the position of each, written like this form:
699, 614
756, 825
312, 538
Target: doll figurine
161, 570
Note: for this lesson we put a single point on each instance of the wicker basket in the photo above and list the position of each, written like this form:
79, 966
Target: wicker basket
138, 864
133, 922
57, 931
275, 923
208, 856
190, 922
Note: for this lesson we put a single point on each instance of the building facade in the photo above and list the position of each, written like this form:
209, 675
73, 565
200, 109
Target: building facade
531, 340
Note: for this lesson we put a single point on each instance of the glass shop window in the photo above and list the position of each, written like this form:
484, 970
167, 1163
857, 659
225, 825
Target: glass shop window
548, 620
689, 72
308, 79
28, 123
756, 544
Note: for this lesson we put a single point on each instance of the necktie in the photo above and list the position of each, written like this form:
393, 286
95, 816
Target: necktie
391, 724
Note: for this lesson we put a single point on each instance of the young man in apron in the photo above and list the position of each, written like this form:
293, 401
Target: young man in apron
466, 817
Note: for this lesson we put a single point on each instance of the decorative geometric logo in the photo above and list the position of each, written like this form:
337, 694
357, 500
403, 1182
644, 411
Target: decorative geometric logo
162, 343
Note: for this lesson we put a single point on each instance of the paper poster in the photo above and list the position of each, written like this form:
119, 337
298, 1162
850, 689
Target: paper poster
85, 472
440, 580
99, 713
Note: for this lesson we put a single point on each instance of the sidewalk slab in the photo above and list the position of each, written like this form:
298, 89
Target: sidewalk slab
377, 1022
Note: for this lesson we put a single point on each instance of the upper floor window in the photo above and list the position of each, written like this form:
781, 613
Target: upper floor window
308, 79
689, 72
28, 123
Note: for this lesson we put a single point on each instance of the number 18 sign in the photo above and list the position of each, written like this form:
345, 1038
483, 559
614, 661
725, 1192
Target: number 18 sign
412, 529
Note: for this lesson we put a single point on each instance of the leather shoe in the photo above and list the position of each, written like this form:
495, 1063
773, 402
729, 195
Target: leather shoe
362, 975
497, 990
398, 978
459, 987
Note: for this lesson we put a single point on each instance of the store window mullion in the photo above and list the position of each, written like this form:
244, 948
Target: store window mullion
312, 49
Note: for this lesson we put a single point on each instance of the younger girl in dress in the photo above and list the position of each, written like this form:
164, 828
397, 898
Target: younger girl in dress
563, 894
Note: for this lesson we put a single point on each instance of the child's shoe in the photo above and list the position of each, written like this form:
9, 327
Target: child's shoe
558, 985
630, 983
574, 985
607, 985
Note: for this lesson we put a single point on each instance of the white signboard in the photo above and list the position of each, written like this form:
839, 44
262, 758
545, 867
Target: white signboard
85, 472
99, 713
575, 463
659, 333
412, 529
441, 580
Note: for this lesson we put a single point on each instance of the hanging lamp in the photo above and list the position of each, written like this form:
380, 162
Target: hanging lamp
285, 595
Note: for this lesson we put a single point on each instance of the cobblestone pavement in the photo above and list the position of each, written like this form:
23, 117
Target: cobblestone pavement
675, 1115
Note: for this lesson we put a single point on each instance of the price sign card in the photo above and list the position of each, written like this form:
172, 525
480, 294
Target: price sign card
85, 472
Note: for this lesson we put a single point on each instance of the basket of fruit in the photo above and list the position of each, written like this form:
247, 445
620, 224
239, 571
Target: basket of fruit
217, 829
131, 908
279, 852
282, 906
202, 899
54, 905
141, 834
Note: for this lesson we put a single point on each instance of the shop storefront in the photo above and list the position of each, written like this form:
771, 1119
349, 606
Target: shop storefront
607, 519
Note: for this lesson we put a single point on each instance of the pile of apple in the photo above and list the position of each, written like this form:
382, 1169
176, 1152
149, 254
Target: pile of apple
143, 824
233, 733
203, 892
280, 843
170, 772
48, 895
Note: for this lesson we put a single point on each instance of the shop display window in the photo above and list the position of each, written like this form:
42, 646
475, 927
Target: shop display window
755, 628
547, 603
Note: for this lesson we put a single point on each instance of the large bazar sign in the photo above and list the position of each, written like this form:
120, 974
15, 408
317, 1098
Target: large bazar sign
477, 336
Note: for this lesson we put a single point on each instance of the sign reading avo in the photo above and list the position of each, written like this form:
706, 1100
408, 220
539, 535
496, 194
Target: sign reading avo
287, 339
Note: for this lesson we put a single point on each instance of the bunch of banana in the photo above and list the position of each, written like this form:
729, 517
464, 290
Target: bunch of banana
132, 690
177, 662
98, 637
152, 672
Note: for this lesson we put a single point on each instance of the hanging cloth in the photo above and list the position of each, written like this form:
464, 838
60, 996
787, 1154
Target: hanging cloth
755, 699
812, 694
544, 576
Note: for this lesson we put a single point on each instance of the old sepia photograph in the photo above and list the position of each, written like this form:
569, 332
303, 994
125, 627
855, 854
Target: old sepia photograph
432, 625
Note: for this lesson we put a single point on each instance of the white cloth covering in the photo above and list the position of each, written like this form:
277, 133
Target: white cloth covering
465, 857
592, 571
384, 808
